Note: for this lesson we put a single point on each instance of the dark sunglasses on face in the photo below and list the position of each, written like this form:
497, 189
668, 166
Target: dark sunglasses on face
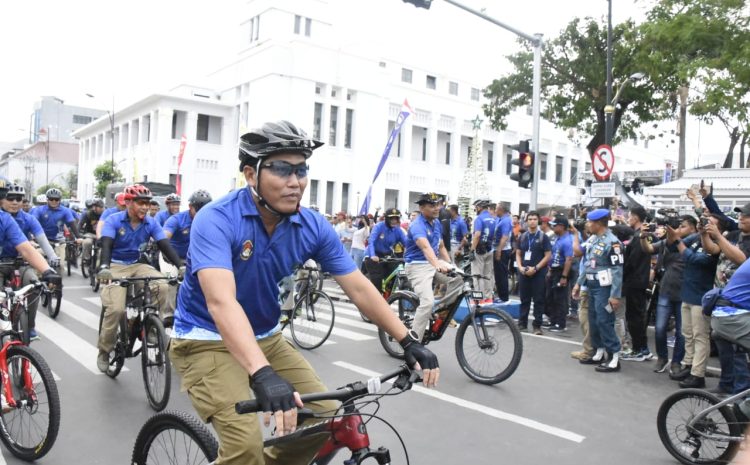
284, 169
14, 198
53, 200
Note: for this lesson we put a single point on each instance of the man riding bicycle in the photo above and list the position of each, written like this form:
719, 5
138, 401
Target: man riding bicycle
53, 217
119, 206
30, 227
87, 226
123, 237
173, 206
227, 318
426, 254
177, 228
383, 238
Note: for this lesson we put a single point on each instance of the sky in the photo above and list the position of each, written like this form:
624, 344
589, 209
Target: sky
128, 50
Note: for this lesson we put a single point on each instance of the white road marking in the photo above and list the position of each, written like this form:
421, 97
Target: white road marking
489, 411
80, 314
76, 287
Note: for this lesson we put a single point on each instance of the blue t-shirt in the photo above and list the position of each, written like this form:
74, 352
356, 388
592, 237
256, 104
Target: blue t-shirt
484, 223
128, 242
561, 250
228, 233
179, 226
383, 238
737, 291
421, 228
162, 217
29, 227
109, 212
503, 227
10, 234
700, 270
52, 221
458, 229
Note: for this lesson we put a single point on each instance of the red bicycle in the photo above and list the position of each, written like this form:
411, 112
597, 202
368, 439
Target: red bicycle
178, 437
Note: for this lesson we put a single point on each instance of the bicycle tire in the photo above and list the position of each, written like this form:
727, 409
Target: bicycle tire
117, 356
500, 325
686, 447
312, 320
84, 270
405, 307
161, 436
55, 301
157, 373
34, 407
21, 326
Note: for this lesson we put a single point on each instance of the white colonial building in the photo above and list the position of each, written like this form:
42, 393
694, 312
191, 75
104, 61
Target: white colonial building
293, 65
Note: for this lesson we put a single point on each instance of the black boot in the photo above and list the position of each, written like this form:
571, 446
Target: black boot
695, 382
681, 374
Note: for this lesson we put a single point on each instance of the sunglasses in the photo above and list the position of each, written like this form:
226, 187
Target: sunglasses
53, 200
284, 169
14, 198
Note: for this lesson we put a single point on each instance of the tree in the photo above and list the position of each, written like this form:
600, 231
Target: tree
43, 189
71, 180
106, 174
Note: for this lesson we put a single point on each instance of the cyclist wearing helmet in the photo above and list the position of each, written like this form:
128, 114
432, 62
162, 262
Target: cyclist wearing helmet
53, 217
177, 227
87, 225
14, 239
153, 208
173, 206
123, 236
383, 238
119, 206
481, 246
227, 318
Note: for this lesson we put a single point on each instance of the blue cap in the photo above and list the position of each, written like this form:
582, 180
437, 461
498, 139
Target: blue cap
598, 214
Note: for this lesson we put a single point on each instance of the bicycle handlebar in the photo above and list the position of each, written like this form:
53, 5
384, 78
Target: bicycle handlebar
406, 378
9, 293
466, 275
14, 262
124, 282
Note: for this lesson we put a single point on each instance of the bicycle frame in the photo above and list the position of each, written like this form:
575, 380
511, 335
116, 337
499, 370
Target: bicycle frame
390, 280
703, 413
28, 383
145, 308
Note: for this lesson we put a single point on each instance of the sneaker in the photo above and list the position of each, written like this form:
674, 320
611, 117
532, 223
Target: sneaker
33, 335
581, 355
642, 356
557, 329
661, 365
102, 361
696, 382
547, 324
627, 354
538, 331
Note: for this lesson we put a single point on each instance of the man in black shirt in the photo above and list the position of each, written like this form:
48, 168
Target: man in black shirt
87, 226
636, 273
532, 255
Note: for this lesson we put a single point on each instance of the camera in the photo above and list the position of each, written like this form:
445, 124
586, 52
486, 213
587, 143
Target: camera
671, 221
580, 223
704, 221
651, 228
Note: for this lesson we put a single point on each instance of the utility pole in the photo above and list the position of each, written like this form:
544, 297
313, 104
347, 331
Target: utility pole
683, 93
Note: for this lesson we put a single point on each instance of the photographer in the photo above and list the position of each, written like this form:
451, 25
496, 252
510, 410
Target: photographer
670, 267
700, 268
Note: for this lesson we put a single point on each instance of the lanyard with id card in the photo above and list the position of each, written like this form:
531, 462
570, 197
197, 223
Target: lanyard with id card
527, 254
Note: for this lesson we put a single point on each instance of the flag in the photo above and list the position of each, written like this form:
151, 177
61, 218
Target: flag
178, 184
403, 114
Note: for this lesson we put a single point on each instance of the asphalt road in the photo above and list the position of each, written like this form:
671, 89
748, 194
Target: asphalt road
551, 410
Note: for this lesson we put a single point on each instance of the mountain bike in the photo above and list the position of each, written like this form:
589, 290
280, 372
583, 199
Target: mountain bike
29, 400
92, 266
72, 251
177, 437
488, 342
393, 282
141, 323
51, 298
311, 318
18, 309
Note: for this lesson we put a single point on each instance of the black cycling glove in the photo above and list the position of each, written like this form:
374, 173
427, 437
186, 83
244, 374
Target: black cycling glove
415, 352
51, 277
273, 392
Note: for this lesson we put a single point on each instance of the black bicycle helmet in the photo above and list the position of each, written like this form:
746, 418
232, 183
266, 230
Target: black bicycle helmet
89, 203
53, 194
277, 137
393, 213
16, 189
97, 203
199, 199
172, 198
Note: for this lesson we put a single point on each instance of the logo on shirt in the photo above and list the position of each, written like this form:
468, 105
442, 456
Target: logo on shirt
247, 250
186, 231
121, 231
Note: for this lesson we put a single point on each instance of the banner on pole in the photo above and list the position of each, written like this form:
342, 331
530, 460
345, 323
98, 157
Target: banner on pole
178, 183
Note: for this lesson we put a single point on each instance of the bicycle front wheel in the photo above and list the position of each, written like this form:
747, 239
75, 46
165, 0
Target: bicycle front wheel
30, 428
490, 350
54, 303
157, 374
404, 307
687, 444
312, 320
174, 437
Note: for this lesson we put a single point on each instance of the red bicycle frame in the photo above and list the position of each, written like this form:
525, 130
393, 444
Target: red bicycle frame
28, 383
349, 432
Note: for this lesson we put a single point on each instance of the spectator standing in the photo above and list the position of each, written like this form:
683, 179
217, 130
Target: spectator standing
636, 271
503, 250
533, 254
557, 279
481, 245
359, 237
458, 232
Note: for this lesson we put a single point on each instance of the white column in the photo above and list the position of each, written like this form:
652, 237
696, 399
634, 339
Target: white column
189, 164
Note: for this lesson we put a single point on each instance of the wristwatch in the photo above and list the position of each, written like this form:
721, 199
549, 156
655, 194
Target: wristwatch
411, 337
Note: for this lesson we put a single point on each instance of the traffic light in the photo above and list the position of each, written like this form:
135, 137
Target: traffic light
525, 163
420, 3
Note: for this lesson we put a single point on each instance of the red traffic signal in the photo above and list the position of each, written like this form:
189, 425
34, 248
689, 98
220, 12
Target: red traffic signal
525, 163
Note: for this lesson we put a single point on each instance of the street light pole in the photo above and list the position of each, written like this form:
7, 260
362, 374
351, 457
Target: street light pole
608, 122
111, 116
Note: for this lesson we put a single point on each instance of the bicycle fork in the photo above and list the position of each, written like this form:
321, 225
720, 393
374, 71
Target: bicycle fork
350, 432
480, 331
28, 384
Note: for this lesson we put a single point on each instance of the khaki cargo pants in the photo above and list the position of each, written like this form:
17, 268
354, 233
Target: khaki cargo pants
114, 295
215, 382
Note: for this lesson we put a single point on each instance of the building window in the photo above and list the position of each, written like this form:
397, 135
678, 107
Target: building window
508, 163
559, 169
308, 26
147, 128
587, 168
202, 132
424, 149
297, 23
329, 197
431, 82
406, 75
345, 197
453, 88
489, 160
173, 179
334, 123
543, 167
257, 26
313, 192
448, 153
208, 129
81, 119
573, 172
391, 198
475, 94
317, 120
252, 23
348, 128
